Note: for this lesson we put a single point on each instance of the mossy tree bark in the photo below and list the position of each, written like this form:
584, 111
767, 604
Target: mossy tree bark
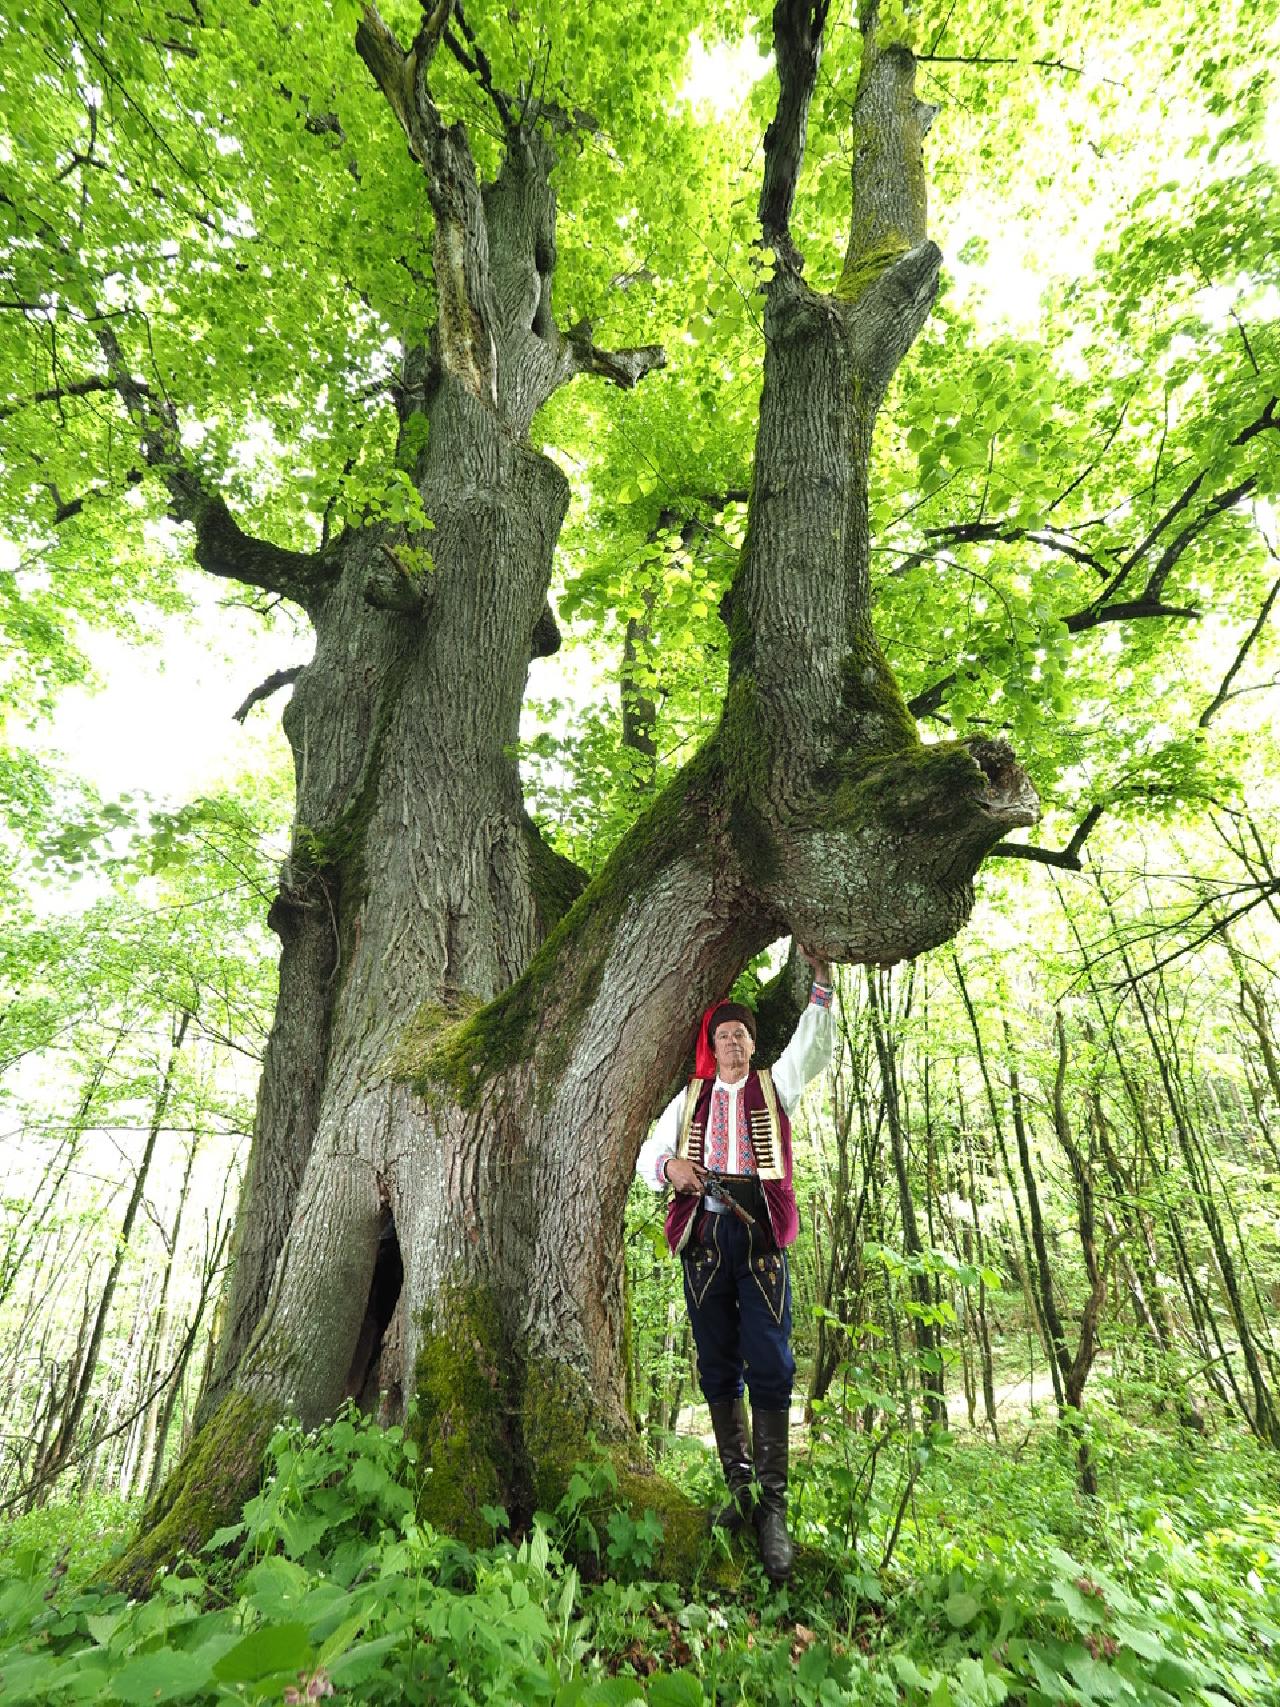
490, 1092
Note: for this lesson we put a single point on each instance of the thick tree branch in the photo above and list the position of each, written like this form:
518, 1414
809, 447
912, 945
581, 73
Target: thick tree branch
625, 368
476, 62
274, 682
397, 73
889, 213
56, 393
222, 546
1132, 610
797, 46
892, 310
1105, 608
464, 284
1217, 505
929, 700
1263, 422
1060, 541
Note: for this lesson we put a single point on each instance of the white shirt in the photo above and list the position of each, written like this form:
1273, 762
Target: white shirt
808, 1052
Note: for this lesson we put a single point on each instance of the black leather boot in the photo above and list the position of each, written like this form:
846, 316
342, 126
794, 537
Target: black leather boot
733, 1443
772, 1430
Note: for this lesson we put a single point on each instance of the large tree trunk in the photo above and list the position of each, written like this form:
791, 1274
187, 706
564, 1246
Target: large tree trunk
502, 1140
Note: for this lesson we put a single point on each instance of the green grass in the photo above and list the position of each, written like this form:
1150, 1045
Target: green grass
950, 1573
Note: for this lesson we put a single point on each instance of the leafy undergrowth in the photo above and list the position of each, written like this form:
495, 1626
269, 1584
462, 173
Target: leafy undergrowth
935, 1573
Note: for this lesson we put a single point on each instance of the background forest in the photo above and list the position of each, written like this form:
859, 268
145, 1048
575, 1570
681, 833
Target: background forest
1038, 1281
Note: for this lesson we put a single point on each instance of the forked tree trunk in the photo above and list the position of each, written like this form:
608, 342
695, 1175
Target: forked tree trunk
503, 1139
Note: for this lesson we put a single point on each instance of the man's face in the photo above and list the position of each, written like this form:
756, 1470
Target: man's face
733, 1046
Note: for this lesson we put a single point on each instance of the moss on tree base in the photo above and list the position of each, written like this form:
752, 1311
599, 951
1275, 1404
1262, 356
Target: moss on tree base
496, 1430
217, 1473
462, 1420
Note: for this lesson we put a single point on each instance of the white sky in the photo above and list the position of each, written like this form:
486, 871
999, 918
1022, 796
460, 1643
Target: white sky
162, 720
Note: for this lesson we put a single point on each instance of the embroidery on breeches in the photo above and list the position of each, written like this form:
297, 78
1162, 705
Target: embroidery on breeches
702, 1264
769, 1272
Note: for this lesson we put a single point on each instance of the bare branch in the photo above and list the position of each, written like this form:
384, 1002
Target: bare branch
1218, 927
1021, 64
274, 682
222, 545
1224, 692
1068, 858
1133, 610
1038, 856
1217, 505
625, 368
1058, 540
929, 700
477, 64
56, 393
1263, 422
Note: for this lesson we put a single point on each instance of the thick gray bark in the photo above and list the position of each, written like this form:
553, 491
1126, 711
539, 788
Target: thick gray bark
504, 1146
502, 1136
415, 875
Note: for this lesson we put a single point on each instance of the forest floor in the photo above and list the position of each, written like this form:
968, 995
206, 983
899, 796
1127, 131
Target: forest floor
947, 1571
1022, 1401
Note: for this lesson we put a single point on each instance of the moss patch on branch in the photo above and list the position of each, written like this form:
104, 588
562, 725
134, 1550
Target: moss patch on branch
337, 849
557, 882
558, 1441
545, 1006
862, 271
874, 715
907, 791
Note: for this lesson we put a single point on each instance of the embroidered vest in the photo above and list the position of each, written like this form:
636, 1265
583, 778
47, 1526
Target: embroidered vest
770, 1142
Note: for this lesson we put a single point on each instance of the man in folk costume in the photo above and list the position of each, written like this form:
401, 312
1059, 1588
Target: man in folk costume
732, 1120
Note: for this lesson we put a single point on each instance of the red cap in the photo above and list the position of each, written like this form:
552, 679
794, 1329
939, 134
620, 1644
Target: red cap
704, 1061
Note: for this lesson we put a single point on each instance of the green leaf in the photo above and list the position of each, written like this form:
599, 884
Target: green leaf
675, 1689
102, 1625
262, 1653
612, 1692
910, 1674
1143, 1642
301, 1531
1050, 1679
361, 1662
165, 1675
961, 1608
224, 1537
340, 1639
